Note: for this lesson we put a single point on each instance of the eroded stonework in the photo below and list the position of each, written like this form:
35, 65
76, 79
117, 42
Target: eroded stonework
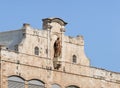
29, 58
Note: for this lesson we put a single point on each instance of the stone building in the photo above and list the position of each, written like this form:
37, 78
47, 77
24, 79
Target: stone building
33, 58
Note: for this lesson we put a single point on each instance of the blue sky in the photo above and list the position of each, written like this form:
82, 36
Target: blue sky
97, 20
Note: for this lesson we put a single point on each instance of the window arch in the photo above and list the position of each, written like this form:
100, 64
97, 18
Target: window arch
55, 86
73, 86
36, 50
15, 82
74, 59
36, 84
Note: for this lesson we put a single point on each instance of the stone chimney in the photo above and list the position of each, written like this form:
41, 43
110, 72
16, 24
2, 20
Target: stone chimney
2, 47
26, 26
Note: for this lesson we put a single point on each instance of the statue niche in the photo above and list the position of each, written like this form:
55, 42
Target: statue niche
57, 48
57, 53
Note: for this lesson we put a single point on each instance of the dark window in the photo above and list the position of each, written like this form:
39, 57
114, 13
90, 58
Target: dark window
74, 59
36, 51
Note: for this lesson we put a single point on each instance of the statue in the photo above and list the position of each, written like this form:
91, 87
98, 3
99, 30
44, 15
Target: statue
57, 53
57, 48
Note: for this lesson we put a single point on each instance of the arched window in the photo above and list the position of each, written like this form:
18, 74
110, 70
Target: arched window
36, 50
74, 59
35, 84
55, 86
15, 82
73, 86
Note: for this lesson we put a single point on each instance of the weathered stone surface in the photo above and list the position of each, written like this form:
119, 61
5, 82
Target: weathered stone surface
17, 58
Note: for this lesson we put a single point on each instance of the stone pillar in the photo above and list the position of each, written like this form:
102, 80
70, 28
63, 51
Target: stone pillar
4, 82
1, 74
62, 50
48, 41
48, 85
26, 84
4, 77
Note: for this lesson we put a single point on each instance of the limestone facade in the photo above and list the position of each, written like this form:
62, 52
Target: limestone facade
27, 60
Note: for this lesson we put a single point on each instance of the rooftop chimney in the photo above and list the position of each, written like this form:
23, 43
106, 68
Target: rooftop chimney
26, 26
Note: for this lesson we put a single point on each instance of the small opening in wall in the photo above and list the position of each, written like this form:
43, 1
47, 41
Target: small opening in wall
16, 47
74, 59
24, 35
46, 51
36, 50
